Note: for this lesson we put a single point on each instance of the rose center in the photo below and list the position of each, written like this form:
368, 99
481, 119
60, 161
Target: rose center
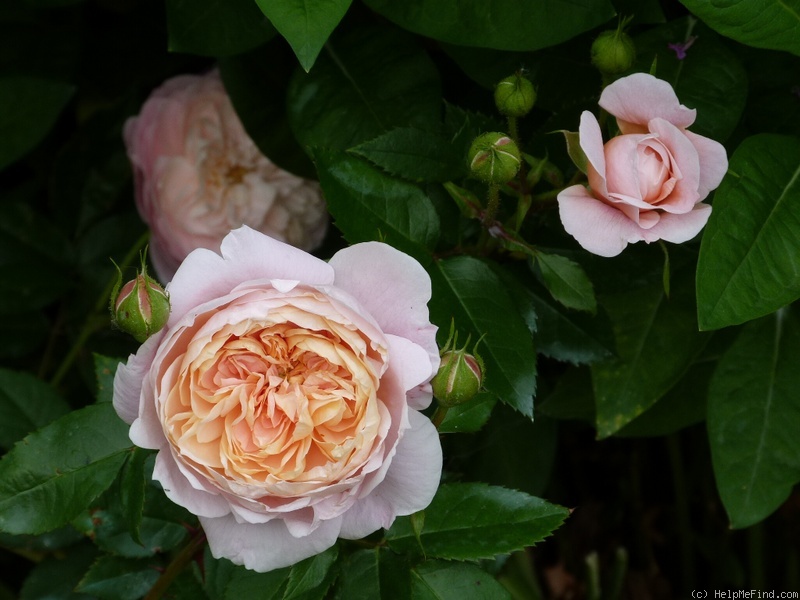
654, 170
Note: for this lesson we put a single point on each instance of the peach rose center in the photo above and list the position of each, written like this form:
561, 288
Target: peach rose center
264, 402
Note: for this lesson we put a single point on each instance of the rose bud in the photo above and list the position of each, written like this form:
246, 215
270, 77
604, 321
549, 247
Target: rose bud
613, 52
460, 374
515, 96
494, 158
141, 307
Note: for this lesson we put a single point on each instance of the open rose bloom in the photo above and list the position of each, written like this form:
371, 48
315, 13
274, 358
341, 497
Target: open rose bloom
647, 183
283, 396
198, 175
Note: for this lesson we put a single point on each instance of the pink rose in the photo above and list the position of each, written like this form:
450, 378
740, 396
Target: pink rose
283, 396
648, 183
198, 176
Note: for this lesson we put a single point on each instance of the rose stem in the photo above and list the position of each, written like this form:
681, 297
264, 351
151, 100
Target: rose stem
92, 324
492, 204
438, 416
183, 558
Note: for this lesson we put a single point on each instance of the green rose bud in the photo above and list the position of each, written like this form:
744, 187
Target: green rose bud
613, 52
141, 307
515, 96
460, 374
494, 158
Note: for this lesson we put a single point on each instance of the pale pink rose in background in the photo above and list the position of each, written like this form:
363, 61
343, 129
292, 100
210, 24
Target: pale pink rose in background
198, 175
283, 396
647, 183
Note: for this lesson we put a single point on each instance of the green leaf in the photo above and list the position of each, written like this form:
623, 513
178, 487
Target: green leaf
53, 474
567, 281
468, 521
368, 82
657, 340
56, 578
371, 574
442, 580
754, 417
118, 578
748, 258
519, 25
370, 205
770, 24
414, 154
244, 583
574, 150
216, 27
470, 416
105, 368
710, 79
132, 487
26, 403
311, 578
29, 108
306, 24
570, 336
465, 289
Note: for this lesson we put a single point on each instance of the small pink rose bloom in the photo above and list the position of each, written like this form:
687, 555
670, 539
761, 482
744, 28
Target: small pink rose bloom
283, 396
647, 183
198, 175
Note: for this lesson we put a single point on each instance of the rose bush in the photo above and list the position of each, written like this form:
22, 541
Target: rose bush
282, 396
198, 175
647, 183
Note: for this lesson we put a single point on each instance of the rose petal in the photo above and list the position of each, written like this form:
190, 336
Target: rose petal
246, 255
393, 287
684, 196
713, 162
679, 228
636, 99
409, 485
180, 490
265, 546
599, 228
415, 366
591, 139
128, 379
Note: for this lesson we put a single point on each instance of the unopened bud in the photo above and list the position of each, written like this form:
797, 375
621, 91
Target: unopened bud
613, 52
515, 96
140, 307
494, 158
460, 374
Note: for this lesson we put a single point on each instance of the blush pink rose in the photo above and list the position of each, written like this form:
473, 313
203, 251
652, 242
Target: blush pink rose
647, 183
283, 396
198, 175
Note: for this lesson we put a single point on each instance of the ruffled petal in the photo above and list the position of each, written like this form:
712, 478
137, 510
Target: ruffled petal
680, 228
410, 483
246, 255
187, 493
636, 99
713, 162
598, 228
414, 365
265, 546
129, 377
393, 287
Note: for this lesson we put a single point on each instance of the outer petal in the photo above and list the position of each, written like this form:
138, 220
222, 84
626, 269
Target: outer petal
599, 228
415, 366
591, 138
180, 490
246, 255
393, 287
265, 546
713, 162
129, 377
409, 485
637, 98
680, 228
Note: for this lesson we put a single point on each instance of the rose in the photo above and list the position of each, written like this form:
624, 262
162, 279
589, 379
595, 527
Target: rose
282, 394
198, 176
648, 183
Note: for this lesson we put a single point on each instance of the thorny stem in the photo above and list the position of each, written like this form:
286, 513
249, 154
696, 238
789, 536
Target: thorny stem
183, 558
91, 323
